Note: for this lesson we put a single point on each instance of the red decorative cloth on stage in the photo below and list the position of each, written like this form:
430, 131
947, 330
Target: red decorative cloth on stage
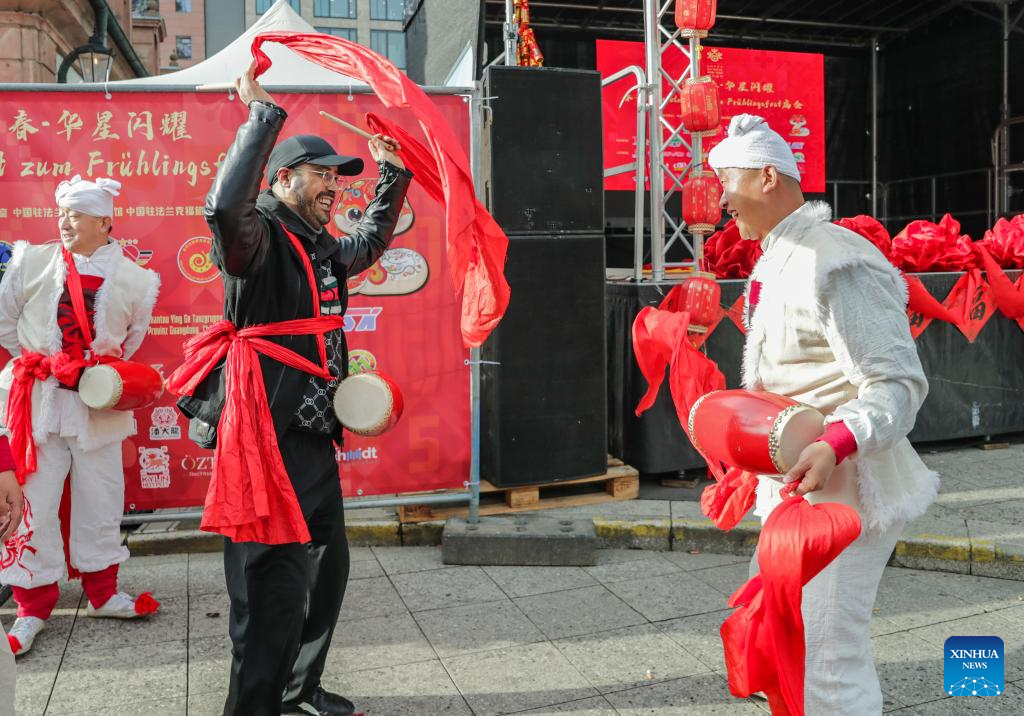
727, 255
1005, 242
764, 638
870, 229
250, 497
65, 365
476, 245
925, 246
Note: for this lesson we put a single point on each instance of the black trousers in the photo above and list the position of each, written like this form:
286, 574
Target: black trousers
285, 599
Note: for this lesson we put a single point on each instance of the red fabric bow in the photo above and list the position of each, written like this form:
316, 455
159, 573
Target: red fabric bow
1005, 242
764, 639
250, 498
727, 255
925, 246
870, 229
476, 246
28, 368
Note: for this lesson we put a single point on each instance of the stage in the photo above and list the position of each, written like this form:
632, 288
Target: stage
976, 389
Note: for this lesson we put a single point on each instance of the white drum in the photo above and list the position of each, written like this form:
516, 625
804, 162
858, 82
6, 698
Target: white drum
368, 403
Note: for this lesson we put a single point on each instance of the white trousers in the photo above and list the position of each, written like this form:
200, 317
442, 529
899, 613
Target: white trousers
97, 503
840, 677
6, 676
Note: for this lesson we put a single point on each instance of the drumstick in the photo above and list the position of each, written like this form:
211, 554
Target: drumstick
361, 132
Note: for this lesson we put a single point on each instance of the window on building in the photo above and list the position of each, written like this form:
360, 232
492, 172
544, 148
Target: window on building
263, 5
349, 33
389, 43
387, 9
334, 8
145, 8
183, 5
183, 47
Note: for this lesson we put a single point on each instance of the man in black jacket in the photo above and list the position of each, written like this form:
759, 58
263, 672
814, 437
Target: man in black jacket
285, 598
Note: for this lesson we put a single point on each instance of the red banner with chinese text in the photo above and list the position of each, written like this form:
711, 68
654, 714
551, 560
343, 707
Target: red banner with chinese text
166, 148
786, 88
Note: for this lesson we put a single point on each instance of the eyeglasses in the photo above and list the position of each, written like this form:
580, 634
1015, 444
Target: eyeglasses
330, 179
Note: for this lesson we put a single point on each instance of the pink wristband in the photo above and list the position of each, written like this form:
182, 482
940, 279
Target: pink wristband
838, 437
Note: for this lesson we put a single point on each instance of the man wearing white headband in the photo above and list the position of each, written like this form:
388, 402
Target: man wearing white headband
63, 306
827, 326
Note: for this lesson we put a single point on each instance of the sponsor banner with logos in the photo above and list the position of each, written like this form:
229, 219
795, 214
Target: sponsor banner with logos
166, 149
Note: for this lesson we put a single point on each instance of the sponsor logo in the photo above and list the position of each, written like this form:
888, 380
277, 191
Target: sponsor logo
131, 249
197, 466
154, 467
194, 260
165, 424
361, 361
6, 250
356, 455
362, 320
973, 666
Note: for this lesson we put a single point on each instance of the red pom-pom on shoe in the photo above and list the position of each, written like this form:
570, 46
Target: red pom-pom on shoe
146, 604
15, 644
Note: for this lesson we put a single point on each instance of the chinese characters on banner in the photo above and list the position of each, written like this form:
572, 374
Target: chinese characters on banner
166, 149
786, 88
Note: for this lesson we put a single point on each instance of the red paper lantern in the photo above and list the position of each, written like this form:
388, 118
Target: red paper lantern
700, 111
701, 209
695, 17
701, 296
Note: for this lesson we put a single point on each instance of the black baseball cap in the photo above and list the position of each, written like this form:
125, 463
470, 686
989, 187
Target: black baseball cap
309, 148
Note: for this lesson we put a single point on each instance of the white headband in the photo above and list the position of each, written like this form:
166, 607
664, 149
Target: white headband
92, 198
752, 144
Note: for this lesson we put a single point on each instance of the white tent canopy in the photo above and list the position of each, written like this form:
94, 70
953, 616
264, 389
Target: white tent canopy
287, 69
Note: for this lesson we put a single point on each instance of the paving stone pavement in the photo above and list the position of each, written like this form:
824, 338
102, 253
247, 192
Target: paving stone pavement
635, 635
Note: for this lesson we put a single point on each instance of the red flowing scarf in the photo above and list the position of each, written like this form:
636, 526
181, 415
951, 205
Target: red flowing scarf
250, 497
764, 638
476, 245
30, 367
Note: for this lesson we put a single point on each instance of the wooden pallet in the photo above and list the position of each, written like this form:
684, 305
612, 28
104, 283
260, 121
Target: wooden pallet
621, 482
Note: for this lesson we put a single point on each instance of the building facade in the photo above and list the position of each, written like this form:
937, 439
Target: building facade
36, 36
374, 23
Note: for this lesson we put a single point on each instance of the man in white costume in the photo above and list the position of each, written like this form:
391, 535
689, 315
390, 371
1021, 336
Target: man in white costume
827, 326
64, 304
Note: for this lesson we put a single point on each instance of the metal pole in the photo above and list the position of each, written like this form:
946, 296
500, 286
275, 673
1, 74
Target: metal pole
652, 47
874, 126
511, 34
476, 128
642, 111
1005, 109
696, 155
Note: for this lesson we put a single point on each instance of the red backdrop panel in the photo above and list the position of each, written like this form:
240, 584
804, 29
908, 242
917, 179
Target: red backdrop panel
165, 148
786, 88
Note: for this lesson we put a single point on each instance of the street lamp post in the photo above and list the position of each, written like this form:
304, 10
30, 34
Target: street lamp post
94, 60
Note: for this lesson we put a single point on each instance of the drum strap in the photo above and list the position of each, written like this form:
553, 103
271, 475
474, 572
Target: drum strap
314, 291
74, 283
250, 498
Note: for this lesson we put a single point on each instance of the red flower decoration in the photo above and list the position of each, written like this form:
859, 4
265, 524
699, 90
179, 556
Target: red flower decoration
729, 256
924, 246
870, 229
1005, 242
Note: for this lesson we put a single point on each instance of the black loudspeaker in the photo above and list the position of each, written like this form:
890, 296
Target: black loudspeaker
544, 406
545, 149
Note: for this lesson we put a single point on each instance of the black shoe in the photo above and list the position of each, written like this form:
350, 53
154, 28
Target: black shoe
320, 703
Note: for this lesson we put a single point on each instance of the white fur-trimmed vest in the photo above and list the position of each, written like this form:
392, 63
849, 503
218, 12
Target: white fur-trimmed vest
787, 352
35, 279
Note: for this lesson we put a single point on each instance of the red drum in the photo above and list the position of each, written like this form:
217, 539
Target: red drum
368, 403
755, 431
120, 385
